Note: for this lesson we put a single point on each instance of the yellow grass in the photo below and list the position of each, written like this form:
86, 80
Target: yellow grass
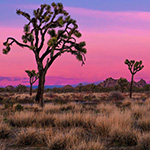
74, 126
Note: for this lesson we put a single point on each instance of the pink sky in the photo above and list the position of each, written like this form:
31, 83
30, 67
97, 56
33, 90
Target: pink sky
111, 37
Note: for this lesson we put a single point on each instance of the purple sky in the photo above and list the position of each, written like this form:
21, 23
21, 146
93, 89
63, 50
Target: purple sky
113, 31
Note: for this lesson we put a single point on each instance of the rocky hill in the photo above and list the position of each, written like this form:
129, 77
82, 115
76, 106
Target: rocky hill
110, 82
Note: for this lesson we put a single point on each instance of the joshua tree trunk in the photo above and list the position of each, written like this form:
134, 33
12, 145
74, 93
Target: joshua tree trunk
30, 89
40, 90
131, 86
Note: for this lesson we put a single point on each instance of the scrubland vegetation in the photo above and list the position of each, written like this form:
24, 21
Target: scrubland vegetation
76, 121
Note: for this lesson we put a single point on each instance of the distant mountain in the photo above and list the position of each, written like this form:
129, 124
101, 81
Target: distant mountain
110, 82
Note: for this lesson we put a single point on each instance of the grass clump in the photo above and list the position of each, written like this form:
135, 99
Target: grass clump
64, 141
31, 137
4, 130
123, 136
22, 119
144, 142
91, 145
102, 126
144, 124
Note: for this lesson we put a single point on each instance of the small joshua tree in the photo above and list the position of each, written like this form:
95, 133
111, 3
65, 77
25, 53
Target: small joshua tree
93, 87
134, 67
80, 87
122, 83
49, 33
33, 77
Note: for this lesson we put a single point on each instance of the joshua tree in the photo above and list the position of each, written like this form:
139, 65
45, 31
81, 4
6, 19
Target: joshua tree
122, 83
33, 77
48, 34
134, 67
93, 87
80, 87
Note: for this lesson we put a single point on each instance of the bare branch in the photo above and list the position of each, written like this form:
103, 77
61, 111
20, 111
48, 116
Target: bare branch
18, 43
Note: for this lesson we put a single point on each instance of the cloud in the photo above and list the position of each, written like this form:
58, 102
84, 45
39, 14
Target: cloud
50, 80
12, 78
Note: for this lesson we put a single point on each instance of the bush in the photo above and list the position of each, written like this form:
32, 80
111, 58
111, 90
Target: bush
18, 107
123, 137
116, 95
30, 136
144, 142
144, 124
21, 88
91, 145
4, 130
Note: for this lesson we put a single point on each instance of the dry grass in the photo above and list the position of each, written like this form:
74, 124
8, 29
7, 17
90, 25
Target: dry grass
74, 126
144, 142
123, 136
102, 125
91, 145
138, 111
74, 120
32, 136
62, 141
22, 119
144, 124
4, 130
2, 146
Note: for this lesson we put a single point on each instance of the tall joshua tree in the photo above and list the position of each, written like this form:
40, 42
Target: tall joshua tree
33, 77
122, 83
134, 67
55, 23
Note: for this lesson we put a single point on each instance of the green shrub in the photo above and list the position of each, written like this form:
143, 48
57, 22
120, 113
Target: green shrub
18, 107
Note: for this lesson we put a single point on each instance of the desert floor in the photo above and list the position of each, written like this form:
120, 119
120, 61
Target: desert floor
75, 121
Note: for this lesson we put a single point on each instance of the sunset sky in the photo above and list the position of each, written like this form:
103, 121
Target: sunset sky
113, 30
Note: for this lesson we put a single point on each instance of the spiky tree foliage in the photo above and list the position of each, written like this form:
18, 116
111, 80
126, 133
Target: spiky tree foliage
134, 67
54, 22
122, 83
33, 76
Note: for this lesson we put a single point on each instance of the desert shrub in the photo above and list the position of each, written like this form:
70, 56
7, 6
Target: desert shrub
85, 120
31, 136
18, 107
8, 105
59, 100
138, 111
144, 142
102, 126
91, 145
21, 88
144, 124
106, 108
4, 130
116, 95
45, 120
2, 146
65, 140
123, 136
59, 142
51, 108
22, 119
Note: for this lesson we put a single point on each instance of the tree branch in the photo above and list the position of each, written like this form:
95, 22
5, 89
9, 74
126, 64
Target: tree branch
18, 43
